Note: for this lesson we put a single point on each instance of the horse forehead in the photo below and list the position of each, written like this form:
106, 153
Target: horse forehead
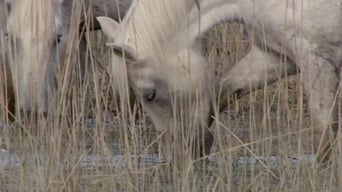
31, 18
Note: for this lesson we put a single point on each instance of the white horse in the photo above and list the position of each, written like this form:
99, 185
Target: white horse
37, 35
165, 67
159, 42
291, 37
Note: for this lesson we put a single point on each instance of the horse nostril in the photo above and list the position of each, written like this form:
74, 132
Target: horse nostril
58, 38
5, 36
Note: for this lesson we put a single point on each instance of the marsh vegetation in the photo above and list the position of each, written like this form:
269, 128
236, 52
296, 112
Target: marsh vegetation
90, 142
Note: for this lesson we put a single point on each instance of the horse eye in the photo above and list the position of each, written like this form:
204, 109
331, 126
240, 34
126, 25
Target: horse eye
150, 95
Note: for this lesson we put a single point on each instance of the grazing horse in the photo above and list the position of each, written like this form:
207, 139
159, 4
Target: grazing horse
298, 37
158, 41
37, 37
165, 68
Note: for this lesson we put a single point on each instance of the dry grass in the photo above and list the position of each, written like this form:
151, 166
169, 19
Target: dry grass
89, 145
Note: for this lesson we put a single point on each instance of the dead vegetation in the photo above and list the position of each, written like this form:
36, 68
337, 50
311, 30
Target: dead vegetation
89, 145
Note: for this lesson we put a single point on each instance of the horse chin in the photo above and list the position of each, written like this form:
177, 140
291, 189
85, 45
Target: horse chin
33, 115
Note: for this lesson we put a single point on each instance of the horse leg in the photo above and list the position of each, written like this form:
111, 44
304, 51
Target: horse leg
320, 83
8, 95
255, 70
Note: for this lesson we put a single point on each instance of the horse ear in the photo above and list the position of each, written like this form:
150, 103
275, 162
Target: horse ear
126, 52
108, 26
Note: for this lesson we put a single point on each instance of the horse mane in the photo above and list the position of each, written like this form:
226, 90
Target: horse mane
149, 26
